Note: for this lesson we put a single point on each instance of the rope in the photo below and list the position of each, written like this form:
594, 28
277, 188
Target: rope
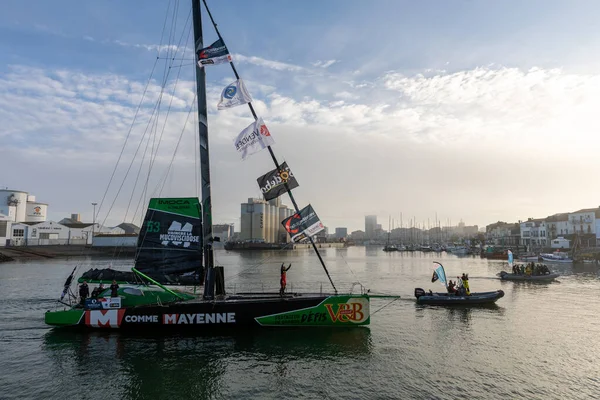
381, 308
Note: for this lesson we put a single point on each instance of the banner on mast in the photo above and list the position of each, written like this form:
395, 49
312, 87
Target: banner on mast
214, 54
235, 94
272, 184
254, 138
304, 224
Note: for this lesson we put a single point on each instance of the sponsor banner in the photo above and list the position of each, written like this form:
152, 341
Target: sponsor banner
102, 303
235, 94
254, 138
214, 54
272, 184
170, 240
334, 310
304, 224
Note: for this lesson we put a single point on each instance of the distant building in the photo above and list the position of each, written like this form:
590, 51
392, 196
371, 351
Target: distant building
223, 232
5, 229
358, 235
533, 233
341, 233
261, 221
20, 206
370, 225
503, 234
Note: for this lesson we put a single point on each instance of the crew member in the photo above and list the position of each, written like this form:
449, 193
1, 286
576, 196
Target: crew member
97, 290
283, 280
84, 291
465, 280
451, 287
113, 289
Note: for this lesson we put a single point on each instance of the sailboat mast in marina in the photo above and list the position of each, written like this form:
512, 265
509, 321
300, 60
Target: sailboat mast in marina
149, 300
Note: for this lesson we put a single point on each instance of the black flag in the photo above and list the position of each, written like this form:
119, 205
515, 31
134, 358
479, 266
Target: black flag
272, 184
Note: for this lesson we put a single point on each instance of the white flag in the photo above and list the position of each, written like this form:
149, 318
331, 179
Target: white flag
235, 94
253, 139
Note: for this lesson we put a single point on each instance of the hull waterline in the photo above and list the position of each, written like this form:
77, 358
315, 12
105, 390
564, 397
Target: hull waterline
250, 310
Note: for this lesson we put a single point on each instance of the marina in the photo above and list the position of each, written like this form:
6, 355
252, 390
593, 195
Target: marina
194, 196
395, 348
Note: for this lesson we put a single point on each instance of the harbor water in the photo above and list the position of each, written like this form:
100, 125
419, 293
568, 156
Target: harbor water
541, 341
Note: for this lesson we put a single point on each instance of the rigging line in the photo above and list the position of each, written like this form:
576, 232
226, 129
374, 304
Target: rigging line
178, 59
149, 128
287, 188
126, 139
381, 308
154, 153
184, 65
168, 110
196, 149
136, 181
124, 180
136, 113
178, 142
348, 265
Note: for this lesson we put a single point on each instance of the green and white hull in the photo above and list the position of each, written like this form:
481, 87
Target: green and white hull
249, 310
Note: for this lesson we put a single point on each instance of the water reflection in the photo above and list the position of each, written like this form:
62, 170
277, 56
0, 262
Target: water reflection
195, 365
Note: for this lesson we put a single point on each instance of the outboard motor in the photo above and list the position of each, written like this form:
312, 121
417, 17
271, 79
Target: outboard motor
419, 292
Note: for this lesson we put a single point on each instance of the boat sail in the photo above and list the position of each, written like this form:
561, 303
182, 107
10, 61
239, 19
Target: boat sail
153, 305
169, 248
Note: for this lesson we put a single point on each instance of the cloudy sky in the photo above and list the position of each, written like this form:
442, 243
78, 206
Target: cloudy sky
483, 111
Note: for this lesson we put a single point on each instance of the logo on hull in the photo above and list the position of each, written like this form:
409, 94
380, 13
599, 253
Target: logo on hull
104, 318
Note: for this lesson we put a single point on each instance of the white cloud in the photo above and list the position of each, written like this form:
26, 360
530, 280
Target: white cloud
261, 62
324, 64
463, 144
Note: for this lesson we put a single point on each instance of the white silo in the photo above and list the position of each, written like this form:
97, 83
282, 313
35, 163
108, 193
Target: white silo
17, 199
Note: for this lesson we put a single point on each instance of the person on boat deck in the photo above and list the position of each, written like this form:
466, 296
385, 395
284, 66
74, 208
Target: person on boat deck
528, 270
465, 281
113, 289
84, 291
283, 280
515, 269
97, 290
451, 287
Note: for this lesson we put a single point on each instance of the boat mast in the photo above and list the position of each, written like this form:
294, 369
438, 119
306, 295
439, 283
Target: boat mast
207, 238
237, 76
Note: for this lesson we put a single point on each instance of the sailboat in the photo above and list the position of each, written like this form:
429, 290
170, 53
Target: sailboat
176, 247
389, 247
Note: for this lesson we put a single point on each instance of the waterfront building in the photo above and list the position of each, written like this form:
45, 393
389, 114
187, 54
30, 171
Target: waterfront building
503, 234
370, 226
53, 233
534, 233
341, 233
5, 229
358, 235
20, 206
558, 225
261, 221
223, 231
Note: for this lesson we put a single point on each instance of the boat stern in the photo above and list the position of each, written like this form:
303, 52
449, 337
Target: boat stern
336, 310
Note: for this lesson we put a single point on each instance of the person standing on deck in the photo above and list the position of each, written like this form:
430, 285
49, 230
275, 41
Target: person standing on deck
283, 280
113, 289
84, 291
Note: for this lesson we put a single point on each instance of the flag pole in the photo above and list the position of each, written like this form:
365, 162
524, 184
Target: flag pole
288, 190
